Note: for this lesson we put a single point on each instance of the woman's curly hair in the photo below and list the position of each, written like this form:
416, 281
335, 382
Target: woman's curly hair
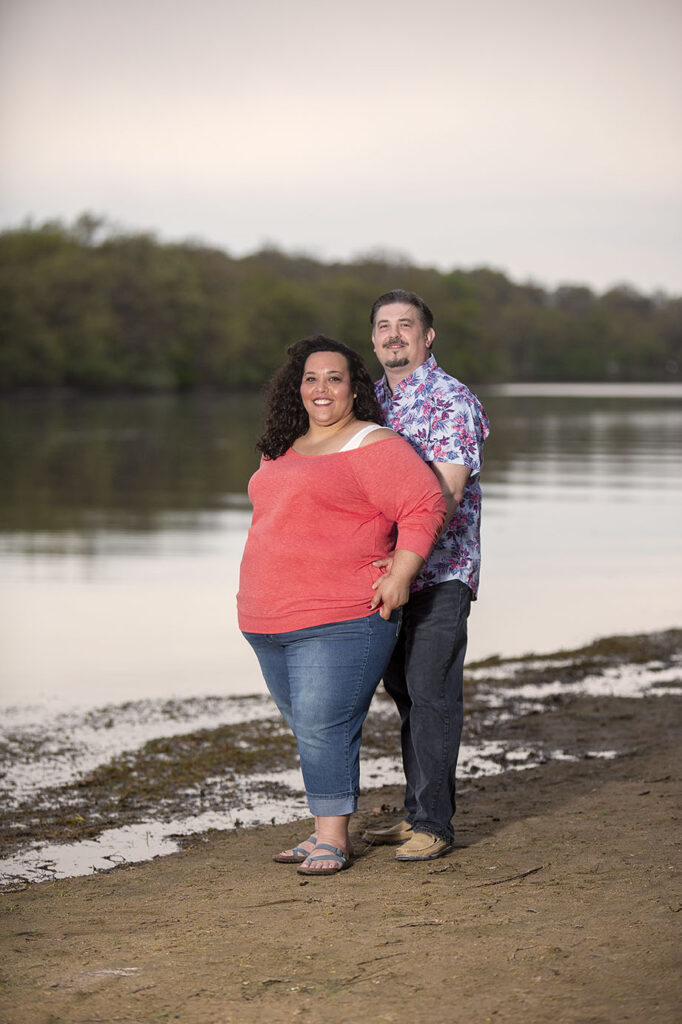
286, 416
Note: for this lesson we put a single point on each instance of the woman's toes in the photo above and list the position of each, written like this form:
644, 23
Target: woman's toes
298, 853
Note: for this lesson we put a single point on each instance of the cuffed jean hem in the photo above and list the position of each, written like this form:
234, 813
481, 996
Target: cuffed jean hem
331, 806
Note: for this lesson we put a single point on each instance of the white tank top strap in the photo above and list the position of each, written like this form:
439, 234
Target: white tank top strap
357, 439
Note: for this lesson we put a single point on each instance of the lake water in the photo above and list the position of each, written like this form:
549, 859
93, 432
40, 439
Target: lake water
123, 521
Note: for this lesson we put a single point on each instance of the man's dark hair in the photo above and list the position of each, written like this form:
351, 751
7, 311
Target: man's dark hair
286, 416
411, 298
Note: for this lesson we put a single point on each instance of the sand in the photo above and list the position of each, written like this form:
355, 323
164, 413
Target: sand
560, 903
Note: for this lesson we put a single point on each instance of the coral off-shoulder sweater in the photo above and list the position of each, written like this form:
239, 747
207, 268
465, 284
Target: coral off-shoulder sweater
319, 521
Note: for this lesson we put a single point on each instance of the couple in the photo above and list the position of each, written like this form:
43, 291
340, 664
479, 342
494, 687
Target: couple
361, 561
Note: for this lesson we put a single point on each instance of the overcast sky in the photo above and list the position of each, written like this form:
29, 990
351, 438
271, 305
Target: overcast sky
541, 138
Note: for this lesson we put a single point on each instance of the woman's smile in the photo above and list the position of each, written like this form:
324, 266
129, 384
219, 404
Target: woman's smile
326, 390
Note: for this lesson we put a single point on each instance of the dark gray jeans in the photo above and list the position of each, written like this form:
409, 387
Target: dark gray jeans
424, 678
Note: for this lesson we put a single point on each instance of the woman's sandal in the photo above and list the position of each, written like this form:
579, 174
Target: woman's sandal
334, 854
297, 855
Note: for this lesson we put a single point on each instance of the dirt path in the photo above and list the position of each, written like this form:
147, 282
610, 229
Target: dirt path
561, 904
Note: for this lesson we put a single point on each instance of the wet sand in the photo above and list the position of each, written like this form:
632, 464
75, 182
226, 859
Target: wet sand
560, 903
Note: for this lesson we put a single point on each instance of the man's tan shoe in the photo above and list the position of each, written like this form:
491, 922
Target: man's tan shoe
390, 836
423, 846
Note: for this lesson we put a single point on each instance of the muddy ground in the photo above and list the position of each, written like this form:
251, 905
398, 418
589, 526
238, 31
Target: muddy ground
561, 903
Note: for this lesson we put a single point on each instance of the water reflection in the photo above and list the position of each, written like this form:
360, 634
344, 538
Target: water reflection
166, 463
122, 522
535, 438
123, 463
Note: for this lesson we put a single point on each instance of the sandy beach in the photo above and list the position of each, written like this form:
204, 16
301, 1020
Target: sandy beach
561, 902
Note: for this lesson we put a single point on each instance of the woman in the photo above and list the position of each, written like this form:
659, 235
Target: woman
331, 488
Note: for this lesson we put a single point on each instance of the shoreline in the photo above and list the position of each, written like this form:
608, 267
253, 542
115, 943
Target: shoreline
229, 763
560, 904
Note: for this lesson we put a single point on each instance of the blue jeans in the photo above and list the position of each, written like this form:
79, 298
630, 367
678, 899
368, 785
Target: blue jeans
322, 679
424, 678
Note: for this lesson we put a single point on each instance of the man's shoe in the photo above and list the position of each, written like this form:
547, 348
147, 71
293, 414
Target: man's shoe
388, 836
423, 846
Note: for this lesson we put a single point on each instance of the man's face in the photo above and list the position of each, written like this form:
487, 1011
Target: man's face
400, 342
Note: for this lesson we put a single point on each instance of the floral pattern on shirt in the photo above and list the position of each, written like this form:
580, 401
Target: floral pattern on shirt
444, 422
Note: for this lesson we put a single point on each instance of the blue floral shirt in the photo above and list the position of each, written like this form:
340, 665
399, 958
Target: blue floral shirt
444, 422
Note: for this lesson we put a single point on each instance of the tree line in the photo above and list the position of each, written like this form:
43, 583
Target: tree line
87, 307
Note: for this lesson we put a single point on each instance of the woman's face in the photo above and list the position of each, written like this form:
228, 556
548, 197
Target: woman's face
326, 389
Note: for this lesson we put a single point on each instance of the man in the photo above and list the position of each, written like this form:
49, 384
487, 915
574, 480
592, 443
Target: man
447, 425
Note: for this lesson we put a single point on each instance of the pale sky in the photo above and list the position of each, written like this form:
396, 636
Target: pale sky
543, 139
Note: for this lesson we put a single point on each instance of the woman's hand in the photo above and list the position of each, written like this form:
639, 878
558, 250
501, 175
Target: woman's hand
392, 590
389, 594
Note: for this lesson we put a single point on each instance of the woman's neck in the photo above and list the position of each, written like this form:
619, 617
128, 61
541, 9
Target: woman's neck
324, 440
